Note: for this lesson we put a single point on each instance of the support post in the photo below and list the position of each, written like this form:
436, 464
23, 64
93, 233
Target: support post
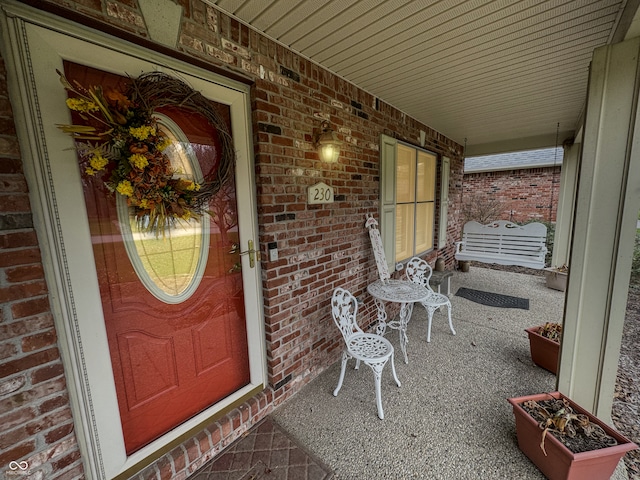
566, 204
604, 227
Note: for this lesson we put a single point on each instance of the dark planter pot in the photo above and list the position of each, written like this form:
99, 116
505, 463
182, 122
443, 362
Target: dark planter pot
560, 462
544, 352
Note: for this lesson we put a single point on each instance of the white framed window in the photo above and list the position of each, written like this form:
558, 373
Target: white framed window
408, 198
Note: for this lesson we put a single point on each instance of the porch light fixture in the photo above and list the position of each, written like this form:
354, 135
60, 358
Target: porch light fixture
327, 143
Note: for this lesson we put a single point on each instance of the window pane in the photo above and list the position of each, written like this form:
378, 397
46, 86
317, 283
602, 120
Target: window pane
426, 177
171, 260
424, 227
404, 231
405, 174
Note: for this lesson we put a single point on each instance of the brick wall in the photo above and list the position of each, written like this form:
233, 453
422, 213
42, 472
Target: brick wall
524, 195
35, 414
320, 246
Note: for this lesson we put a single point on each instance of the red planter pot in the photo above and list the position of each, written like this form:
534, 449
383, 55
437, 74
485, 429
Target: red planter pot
544, 352
560, 462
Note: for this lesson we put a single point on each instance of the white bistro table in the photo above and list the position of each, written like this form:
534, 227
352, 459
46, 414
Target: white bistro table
398, 291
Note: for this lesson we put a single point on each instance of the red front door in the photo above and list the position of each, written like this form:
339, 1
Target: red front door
171, 358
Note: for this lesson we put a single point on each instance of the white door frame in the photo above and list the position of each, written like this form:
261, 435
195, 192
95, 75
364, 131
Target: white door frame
34, 46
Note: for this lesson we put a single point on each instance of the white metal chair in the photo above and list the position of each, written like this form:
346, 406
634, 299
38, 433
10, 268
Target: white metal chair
374, 350
418, 271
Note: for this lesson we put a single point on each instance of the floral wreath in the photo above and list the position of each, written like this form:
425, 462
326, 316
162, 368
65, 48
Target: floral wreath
122, 145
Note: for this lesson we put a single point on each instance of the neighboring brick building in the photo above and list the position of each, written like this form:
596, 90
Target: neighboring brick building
320, 246
521, 186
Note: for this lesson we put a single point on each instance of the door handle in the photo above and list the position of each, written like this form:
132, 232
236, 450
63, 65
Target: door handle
253, 254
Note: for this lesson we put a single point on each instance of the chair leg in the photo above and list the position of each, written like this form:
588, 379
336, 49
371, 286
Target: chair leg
393, 369
379, 398
345, 357
430, 311
377, 373
450, 322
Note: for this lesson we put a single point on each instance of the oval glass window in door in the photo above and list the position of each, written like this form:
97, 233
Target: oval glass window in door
169, 264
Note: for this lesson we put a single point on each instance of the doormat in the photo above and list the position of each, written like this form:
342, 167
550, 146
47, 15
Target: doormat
264, 452
493, 299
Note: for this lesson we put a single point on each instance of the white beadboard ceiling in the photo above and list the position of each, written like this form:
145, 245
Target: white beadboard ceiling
500, 73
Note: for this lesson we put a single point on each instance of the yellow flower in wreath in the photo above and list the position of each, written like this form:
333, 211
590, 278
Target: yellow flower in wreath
188, 185
81, 105
138, 160
98, 162
125, 188
163, 144
143, 132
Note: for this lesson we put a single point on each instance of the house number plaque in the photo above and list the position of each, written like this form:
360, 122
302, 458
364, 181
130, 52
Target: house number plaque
320, 193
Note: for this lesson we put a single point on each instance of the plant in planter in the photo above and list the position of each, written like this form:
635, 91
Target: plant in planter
544, 344
564, 440
557, 277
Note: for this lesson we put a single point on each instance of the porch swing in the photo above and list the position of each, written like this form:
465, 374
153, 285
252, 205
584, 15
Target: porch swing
506, 243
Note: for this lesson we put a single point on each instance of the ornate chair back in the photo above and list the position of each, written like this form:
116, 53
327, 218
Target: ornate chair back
378, 250
344, 309
419, 271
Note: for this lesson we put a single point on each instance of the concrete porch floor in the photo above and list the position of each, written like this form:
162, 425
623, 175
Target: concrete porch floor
450, 419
